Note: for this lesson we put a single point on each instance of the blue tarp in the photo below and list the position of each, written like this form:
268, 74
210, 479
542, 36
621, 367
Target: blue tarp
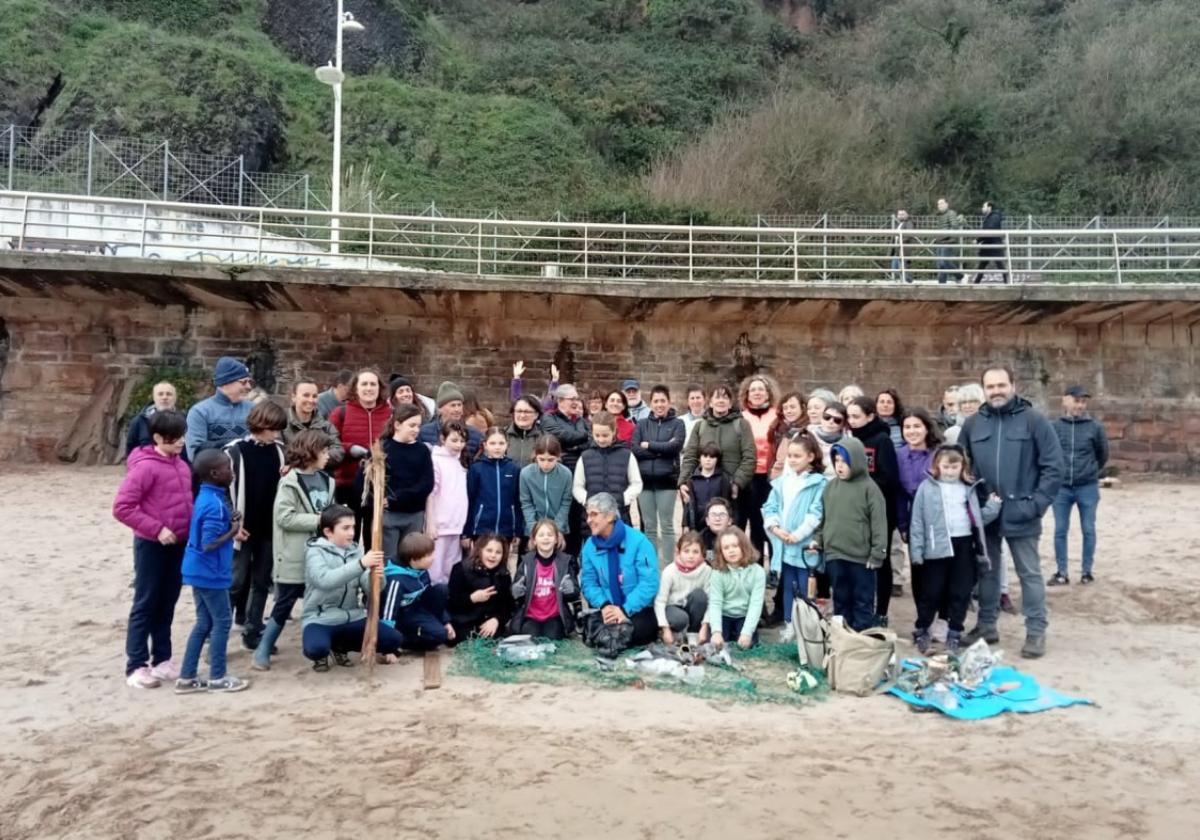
985, 701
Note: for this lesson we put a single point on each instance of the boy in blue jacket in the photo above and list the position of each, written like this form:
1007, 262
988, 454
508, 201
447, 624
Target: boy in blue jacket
208, 569
412, 603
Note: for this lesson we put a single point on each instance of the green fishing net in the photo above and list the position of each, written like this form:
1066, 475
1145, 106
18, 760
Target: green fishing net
763, 676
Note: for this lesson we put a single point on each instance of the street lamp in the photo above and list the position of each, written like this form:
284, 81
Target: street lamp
332, 75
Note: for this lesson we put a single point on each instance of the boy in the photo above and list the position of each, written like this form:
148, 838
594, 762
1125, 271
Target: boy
854, 533
208, 569
718, 515
605, 468
411, 601
708, 482
256, 463
155, 500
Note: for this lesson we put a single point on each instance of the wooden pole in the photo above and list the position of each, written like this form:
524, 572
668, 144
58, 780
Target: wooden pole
376, 478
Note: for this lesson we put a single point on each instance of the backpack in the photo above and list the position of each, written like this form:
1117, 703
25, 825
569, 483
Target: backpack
812, 634
858, 662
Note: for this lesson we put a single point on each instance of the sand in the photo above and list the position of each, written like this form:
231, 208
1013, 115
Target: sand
336, 755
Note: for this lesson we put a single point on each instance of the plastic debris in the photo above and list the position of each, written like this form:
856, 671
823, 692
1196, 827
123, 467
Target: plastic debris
523, 649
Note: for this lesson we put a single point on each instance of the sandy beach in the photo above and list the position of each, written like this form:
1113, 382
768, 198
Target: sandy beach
336, 755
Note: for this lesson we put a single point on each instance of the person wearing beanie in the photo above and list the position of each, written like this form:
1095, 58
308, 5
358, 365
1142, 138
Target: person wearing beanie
221, 418
450, 409
401, 391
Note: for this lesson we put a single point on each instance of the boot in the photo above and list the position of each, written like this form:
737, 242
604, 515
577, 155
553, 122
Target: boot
923, 641
1035, 647
988, 632
262, 653
953, 641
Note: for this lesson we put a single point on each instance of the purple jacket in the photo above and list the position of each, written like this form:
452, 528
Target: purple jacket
156, 492
914, 468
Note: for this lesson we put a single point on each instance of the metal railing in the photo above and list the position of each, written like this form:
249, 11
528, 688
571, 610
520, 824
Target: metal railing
561, 251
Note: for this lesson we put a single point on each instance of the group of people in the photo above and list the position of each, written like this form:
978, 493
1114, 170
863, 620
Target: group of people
810, 495
949, 251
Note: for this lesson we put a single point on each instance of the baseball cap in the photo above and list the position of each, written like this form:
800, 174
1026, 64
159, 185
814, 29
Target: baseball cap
1077, 391
630, 383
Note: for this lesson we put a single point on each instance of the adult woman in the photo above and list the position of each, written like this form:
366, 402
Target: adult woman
617, 404
400, 392
970, 397
921, 437
792, 419
818, 398
848, 394
524, 430
303, 416
475, 415
882, 466
890, 410
723, 425
359, 423
830, 429
615, 547
759, 400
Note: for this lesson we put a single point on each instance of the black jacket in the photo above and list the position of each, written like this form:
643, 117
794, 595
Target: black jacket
882, 465
702, 490
574, 435
566, 585
409, 475
659, 462
465, 614
992, 221
1085, 449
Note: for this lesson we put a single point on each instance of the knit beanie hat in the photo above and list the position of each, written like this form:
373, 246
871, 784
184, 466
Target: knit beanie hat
228, 370
395, 385
448, 392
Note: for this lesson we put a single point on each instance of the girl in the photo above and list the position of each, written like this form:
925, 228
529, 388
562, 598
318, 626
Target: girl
617, 404
481, 600
792, 418
723, 425
759, 398
828, 432
682, 599
595, 403
546, 587
735, 591
359, 422
890, 410
446, 510
915, 456
791, 515
545, 486
493, 490
409, 478
524, 430
946, 539
304, 492
155, 500
607, 467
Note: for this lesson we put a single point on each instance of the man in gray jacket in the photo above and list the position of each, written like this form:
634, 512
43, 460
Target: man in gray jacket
1016, 451
1085, 452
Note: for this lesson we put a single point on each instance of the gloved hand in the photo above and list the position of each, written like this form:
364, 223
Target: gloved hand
357, 451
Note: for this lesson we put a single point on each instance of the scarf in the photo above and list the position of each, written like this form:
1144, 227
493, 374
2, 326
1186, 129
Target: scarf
612, 546
833, 438
760, 411
685, 569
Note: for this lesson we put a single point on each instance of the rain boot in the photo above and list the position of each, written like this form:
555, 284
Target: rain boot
262, 653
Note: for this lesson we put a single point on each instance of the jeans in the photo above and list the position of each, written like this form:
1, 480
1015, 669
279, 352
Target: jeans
900, 271
319, 640
157, 579
1033, 586
793, 581
252, 567
658, 517
731, 629
948, 270
396, 526
946, 584
212, 624
1087, 497
690, 616
853, 592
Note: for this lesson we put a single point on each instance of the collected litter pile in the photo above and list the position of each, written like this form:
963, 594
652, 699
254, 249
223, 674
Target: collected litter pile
767, 673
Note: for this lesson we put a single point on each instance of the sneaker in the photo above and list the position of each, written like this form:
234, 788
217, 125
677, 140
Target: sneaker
1058, 579
228, 684
1035, 647
897, 590
773, 580
1087, 578
166, 671
953, 642
1007, 605
988, 632
923, 642
881, 621
143, 678
191, 686
772, 619
788, 633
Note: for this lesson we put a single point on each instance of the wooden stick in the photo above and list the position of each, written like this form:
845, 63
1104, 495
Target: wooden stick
433, 669
376, 478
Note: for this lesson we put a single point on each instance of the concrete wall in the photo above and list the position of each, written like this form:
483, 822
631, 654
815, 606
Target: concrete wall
81, 331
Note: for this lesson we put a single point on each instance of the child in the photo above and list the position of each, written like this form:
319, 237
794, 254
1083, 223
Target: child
718, 515
416, 606
155, 500
257, 461
545, 486
791, 515
446, 512
409, 478
304, 492
208, 569
546, 587
682, 599
708, 482
493, 490
946, 540
853, 533
337, 577
480, 597
735, 591
607, 467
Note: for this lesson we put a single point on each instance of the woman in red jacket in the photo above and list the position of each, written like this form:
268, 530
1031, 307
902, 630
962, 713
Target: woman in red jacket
359, 422
618, 406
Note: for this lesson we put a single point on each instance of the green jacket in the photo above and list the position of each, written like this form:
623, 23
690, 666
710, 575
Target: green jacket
737, 592
950, 220
855, 526
335, 583
735, 437
295, 522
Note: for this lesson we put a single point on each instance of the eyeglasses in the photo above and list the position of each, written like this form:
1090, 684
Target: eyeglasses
248, 382
834, 418
718, 514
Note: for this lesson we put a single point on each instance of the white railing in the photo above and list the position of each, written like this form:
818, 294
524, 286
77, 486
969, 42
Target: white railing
574, 251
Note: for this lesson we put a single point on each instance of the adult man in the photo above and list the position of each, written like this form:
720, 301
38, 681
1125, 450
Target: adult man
948, 414
163, 399
214, 422
900, 262
1016, 452
568, 424
1085, 452
948, 247
992, 247
619, 570
303, 415
696, 403
450, 408
337, 393
638, 410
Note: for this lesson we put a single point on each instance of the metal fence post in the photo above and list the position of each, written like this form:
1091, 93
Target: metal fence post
757, 247
900, 255
479, 248
241, 177
691, 251
12, 153
145, 213
795, 256
258, 247
1117, 256
825, 248
370, 240
24, 223
91, 146
624, 245
166, 170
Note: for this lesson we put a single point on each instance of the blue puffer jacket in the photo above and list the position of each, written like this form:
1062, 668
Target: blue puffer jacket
210, 521
1085, 449
1015, 450
494, 498
639, 572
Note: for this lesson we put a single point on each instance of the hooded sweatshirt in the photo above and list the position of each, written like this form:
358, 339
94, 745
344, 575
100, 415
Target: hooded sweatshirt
735, 438
297, 520
545, 495
881, 463
914, 467
449, 493
155, 494
738, 593
855, 527
794, 505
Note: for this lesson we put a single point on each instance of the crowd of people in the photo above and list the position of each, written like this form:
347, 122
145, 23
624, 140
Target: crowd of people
562, 520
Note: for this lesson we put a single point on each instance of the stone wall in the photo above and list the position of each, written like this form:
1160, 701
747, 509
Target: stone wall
75, 340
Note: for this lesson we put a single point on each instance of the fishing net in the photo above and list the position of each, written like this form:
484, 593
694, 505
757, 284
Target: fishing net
763, 676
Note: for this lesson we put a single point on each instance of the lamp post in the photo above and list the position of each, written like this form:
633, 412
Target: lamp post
332, 75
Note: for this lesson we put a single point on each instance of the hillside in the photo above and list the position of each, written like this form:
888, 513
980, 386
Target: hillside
659, 107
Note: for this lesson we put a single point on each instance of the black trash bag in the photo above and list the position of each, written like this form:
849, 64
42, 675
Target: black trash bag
608, 640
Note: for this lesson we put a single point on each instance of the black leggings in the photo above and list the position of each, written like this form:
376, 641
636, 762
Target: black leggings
751, 498
884, 579
551, 628
946, 584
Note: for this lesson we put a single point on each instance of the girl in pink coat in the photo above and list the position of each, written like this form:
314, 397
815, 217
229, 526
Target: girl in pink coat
446, 513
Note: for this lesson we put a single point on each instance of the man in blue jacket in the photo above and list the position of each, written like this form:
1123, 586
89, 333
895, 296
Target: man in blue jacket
1085, 452
214, 422
1016, 452
619, 570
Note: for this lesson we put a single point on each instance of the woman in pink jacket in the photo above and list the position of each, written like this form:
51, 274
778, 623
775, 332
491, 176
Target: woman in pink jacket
446, 511
155, 500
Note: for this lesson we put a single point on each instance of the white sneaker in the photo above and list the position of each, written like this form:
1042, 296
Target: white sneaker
143, 678
166, 671
788, 633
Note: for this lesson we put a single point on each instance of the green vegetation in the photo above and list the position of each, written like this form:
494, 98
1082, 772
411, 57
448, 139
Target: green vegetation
191, 384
